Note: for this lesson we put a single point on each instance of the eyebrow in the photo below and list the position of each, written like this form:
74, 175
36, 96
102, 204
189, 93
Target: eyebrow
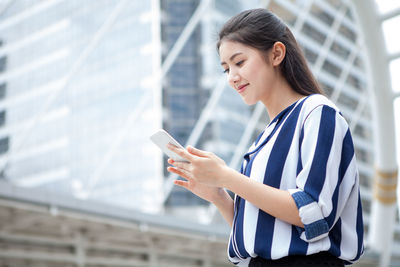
232, 57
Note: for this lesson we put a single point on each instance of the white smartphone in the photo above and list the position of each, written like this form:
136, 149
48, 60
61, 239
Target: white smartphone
161, 138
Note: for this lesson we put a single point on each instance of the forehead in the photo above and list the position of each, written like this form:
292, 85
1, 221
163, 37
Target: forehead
229, 48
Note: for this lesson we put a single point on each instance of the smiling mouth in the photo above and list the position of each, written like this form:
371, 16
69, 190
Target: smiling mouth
241, 88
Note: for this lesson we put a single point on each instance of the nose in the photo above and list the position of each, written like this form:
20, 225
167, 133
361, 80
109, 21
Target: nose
233, 78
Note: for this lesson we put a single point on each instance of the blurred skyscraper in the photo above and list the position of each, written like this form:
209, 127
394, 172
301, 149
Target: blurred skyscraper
189, 84
78, 98
84, 84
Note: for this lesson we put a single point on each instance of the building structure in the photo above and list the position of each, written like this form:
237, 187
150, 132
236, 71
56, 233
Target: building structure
79, 84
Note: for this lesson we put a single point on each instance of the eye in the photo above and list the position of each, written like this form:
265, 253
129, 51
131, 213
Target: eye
239, 63
226, 71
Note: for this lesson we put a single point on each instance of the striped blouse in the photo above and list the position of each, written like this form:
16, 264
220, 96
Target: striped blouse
308, 150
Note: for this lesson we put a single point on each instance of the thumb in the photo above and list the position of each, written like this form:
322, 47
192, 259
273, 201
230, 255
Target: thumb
197, 152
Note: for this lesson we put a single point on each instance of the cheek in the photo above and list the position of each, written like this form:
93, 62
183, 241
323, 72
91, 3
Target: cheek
251, 75
251, 70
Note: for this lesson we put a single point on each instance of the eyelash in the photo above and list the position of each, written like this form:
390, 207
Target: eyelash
237, 64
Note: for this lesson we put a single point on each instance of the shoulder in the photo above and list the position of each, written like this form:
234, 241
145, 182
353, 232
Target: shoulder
319, 109
315, 101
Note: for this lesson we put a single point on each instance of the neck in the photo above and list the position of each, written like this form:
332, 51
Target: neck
280, 98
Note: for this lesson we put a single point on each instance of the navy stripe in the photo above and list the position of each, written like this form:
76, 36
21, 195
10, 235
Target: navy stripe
232, 245
335, 237
232, 253
347, 155
359, 229
316, 177
346, 158
280, 150
297, 245
273, 176
299, 162
239, 229
263, 239
331, 218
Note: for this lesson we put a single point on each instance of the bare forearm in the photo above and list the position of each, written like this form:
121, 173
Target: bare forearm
225, 206
276, 202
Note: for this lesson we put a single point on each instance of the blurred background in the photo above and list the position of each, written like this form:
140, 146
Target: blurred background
83, 84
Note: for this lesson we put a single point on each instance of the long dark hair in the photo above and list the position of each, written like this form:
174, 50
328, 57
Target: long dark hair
260, 29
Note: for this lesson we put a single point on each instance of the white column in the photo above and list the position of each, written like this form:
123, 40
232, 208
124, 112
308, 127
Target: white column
383, 209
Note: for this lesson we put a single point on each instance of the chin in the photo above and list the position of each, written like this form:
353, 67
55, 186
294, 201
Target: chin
250, 102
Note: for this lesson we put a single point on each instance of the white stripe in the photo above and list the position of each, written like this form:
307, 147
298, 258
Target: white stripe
282, 234
349, 223
249, 227
308, 146
332, 167
346, 187
281, 239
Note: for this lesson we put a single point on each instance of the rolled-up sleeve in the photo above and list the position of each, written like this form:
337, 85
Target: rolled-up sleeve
315, 225
317, 180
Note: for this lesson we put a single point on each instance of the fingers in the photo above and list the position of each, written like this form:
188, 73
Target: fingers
181, 165
184, 184
180, 172
181, 152
197, 152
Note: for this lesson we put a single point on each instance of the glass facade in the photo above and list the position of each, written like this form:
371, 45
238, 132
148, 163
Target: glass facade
191, 81
78, 101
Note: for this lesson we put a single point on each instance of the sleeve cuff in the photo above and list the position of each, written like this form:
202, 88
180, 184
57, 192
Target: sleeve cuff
315, 225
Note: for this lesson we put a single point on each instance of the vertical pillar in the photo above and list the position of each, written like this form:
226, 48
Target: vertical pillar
80, 249
383, 209
383, 212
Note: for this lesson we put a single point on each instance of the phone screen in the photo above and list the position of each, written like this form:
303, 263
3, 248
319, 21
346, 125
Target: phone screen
161, 138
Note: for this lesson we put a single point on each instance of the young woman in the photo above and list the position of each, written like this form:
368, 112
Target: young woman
297, 200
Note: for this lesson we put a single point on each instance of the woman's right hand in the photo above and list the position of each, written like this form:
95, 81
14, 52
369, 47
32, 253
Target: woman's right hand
206, 192
216, 195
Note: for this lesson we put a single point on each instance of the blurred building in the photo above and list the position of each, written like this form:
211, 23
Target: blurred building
188, 86
78, 98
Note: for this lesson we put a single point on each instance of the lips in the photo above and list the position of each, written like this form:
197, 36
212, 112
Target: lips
242, 87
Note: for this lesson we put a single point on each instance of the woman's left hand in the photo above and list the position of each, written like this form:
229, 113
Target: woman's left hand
204, 167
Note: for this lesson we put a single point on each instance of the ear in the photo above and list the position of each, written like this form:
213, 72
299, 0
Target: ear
278, 53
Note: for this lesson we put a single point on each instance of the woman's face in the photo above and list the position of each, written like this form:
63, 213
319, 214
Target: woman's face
247, 71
